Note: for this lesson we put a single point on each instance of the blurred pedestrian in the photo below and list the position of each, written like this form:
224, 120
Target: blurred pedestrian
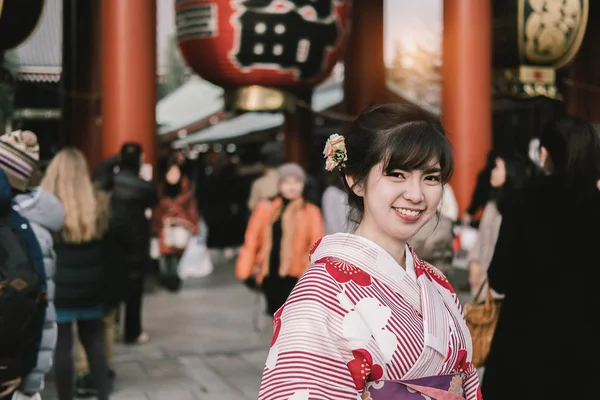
133, 196
510, 174
174, 221
267, 186
544, 262
83, 250
278, 238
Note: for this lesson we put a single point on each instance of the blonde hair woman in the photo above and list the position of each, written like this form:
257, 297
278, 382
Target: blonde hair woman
81, 249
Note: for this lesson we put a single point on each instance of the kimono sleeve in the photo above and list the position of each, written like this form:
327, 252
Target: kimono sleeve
308, 356
471, 385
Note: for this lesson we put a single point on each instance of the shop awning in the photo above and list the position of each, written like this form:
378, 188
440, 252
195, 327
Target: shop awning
324, 97
193, 101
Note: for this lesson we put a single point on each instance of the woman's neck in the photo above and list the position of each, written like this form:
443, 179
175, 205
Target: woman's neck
394, 247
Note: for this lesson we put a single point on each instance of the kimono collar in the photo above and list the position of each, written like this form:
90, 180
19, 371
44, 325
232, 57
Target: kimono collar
427, 291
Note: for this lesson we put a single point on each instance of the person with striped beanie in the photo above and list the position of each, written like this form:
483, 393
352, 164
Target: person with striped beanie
19, 156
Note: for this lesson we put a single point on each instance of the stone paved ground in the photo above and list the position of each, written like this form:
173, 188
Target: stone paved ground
203, 345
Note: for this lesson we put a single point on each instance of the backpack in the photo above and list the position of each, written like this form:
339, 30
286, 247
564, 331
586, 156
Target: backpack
21, 301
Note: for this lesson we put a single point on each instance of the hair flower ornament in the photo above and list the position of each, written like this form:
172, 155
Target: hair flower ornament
335, 152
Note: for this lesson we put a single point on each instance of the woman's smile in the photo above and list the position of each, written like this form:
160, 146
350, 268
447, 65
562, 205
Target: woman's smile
408, 214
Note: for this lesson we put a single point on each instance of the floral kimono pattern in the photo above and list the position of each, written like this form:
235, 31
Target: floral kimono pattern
357, 319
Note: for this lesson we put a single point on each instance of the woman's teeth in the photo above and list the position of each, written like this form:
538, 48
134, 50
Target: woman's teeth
409, 213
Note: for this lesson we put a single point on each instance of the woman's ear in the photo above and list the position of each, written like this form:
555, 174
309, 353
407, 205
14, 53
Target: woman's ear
358, 189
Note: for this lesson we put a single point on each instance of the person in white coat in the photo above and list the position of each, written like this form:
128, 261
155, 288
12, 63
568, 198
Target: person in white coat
334, 205
46, 216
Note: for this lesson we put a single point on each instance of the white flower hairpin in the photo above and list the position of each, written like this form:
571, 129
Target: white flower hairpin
335, 152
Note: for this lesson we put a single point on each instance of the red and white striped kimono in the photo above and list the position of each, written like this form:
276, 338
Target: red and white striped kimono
357, 317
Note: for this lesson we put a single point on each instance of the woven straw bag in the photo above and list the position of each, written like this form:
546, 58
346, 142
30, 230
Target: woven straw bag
481, 317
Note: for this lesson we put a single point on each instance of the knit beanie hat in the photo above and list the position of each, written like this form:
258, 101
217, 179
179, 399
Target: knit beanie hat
291, 169
19, 156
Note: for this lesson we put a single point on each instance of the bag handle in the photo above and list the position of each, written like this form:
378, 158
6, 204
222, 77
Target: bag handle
489, 307
488, 294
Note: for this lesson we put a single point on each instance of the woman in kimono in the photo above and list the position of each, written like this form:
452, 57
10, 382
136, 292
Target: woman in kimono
369, 319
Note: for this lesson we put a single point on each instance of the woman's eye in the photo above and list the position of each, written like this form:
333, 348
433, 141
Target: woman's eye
397, 174
434, 178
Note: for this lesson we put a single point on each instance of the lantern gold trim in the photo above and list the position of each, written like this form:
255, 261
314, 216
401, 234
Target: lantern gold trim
526, 81
259, 98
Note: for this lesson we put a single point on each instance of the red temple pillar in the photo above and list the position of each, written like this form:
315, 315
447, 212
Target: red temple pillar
129, 75
364, 64
467, 90
298, 128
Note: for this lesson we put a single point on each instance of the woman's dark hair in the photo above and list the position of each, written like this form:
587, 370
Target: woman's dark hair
335, 178
519, 170
402, 136
574, 149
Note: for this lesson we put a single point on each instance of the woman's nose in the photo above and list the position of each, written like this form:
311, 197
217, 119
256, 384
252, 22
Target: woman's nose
413, 191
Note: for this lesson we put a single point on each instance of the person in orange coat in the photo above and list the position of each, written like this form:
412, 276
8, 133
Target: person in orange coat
278, 238
176, 207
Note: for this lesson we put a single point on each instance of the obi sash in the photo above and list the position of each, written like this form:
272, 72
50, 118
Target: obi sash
440, 387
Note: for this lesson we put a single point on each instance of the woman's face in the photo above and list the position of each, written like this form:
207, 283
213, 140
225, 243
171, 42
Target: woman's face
399, 204
173, 175
498, 177
291, 187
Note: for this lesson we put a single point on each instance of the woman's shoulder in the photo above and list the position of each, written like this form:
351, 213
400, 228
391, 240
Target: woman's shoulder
317, 281
267, 204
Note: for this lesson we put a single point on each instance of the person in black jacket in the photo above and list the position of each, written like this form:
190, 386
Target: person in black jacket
83, 250
131, 199
544, 263
116, 281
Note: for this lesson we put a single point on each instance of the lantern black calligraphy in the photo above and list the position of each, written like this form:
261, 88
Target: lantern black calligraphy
288, 40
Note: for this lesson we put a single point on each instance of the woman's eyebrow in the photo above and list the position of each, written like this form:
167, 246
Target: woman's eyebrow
432, 170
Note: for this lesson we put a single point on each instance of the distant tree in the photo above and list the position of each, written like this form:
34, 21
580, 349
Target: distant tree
8, 69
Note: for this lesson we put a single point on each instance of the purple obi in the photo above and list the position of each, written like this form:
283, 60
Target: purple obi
441, 387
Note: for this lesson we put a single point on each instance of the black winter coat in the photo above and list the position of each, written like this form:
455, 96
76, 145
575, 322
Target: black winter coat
130, 198
79, 274
544, 262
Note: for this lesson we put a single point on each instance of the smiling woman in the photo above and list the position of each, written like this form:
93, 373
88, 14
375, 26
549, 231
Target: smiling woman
368, 318
400, 145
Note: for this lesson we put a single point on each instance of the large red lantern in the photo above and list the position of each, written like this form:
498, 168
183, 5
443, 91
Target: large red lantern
256, 49
18, 18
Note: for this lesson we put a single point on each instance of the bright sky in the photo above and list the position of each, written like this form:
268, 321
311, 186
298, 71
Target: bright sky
165, 20
412, 21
